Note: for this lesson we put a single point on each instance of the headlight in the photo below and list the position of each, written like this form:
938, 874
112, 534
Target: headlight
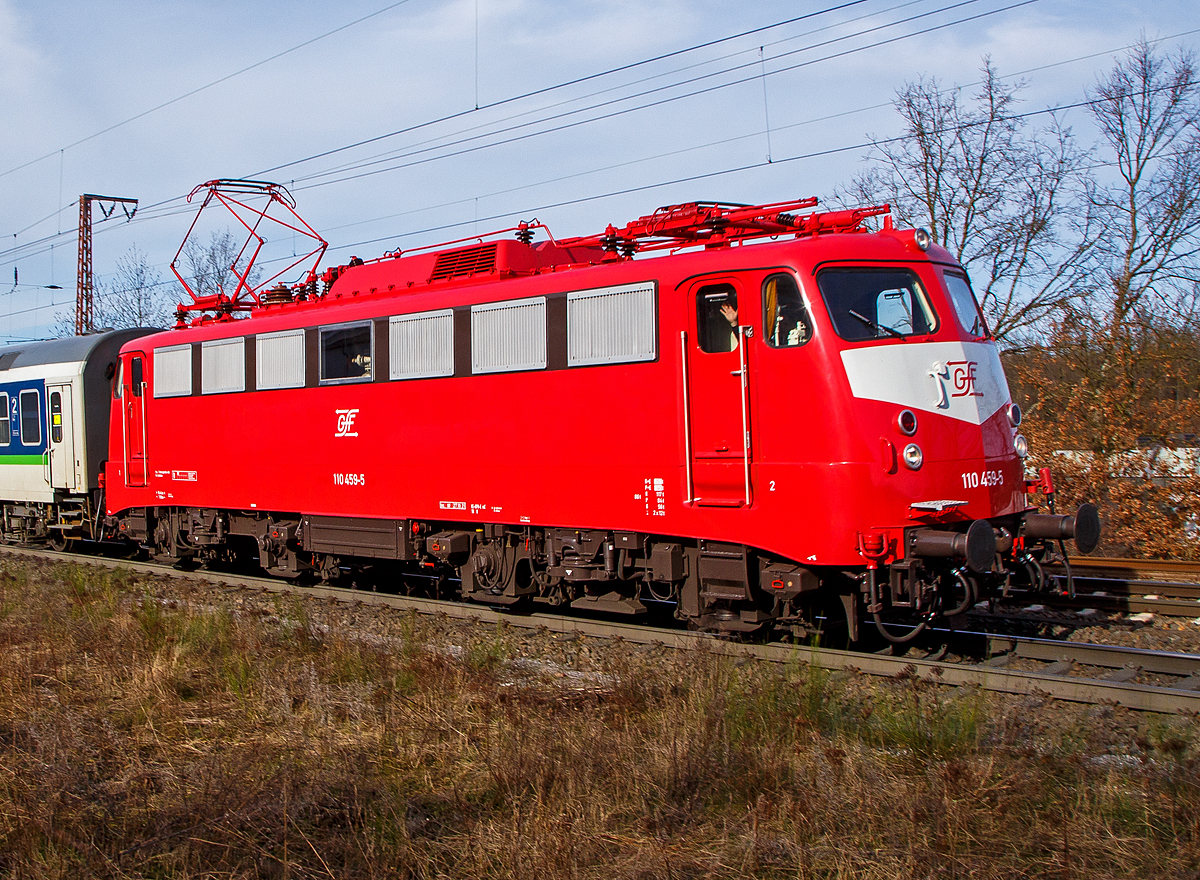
1014, 415
1021, 446
913, 456
923, 239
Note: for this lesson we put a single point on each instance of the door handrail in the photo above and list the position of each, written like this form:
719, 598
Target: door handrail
125, 437
744, 333
145, 452
687, 415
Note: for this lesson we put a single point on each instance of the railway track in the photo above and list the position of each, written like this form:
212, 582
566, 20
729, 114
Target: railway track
1126, 586
1142, 680
1118, 569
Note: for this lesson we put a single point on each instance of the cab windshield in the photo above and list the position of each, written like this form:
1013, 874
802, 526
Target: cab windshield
876, 303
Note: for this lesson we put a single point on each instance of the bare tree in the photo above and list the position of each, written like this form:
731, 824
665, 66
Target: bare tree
1005, 202
134, 296
1148, 111
215, 265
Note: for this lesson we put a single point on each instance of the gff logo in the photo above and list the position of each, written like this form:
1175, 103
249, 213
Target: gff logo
963, 376
345, 421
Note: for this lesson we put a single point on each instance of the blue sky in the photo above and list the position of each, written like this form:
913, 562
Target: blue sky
82, 86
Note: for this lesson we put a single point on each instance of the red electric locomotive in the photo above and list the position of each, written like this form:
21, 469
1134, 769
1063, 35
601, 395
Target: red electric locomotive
775, 413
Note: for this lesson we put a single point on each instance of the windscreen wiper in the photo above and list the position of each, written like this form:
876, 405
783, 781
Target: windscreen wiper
878, 328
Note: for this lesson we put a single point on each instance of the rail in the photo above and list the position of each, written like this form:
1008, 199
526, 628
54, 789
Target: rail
1063, 682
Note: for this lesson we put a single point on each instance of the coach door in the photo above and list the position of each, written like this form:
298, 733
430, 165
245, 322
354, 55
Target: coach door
716, 379
61, 449
133, 395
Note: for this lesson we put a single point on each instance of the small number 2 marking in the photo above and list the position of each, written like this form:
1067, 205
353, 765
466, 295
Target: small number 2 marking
772, 485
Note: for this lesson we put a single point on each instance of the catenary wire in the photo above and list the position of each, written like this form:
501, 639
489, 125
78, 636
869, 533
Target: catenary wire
147, 214
694, 177
202, 88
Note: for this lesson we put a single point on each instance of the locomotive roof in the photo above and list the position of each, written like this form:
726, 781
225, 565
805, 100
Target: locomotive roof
69, 350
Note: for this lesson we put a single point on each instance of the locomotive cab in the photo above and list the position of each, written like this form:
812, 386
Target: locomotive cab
930, 422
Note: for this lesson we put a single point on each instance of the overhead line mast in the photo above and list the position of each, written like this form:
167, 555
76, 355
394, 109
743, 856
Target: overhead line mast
84, 286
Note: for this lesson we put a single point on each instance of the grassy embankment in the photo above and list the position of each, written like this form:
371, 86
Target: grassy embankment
141, 738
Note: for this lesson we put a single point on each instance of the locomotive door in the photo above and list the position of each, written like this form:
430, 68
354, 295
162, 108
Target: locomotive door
718, 399
62, 437
133, 423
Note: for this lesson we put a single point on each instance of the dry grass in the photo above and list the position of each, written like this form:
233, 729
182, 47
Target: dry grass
144, 738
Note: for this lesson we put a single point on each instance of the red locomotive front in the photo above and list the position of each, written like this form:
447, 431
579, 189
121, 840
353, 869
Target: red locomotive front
798, 411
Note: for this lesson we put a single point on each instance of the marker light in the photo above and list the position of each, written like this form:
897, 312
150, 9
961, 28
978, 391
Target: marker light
923, 239
907, 422
913, 456
1021, 446
1014, 415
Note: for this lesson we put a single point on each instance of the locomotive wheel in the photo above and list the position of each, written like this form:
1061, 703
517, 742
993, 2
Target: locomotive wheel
59, 541
329, 569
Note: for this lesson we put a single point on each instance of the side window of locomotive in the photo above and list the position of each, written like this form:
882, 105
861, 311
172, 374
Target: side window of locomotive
965, 305
31, 419
5, 424
118, 378
785, 317
135, 376
876, 303
346, 353
717, 317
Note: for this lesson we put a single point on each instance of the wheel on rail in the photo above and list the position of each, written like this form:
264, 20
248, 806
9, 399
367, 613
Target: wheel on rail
59, 542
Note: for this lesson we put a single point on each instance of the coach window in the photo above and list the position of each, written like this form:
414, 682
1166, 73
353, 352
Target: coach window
876, 303
346, 353
31, 419
786, 318
717, 317
56, 417
5, 424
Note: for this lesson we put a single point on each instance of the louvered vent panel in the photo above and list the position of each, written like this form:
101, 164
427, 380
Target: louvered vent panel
223, 366
173, 371
279, 360
421, 346
611, 325
468, 261
509, 336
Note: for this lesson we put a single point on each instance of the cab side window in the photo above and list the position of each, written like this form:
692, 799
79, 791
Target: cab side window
717, 317
965, 305
785, 317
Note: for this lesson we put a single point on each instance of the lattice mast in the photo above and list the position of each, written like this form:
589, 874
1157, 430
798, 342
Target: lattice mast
84, 285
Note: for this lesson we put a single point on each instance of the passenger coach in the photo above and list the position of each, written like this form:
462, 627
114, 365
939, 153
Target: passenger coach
54, 401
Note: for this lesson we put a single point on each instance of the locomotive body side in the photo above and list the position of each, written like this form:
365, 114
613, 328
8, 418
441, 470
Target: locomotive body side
597, 420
